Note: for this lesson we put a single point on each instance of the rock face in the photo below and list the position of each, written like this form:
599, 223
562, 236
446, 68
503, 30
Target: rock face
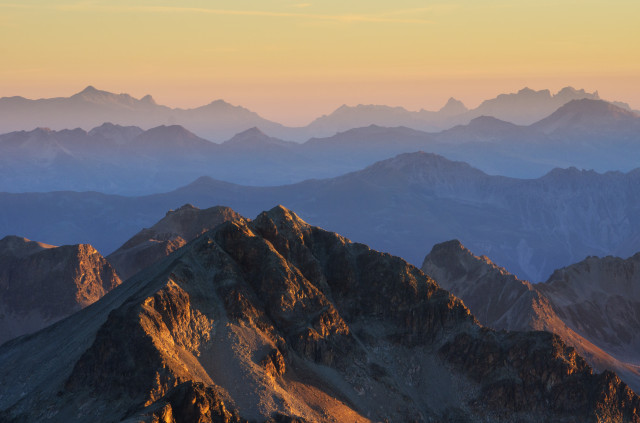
172, 232
275, 320
593, 305
41, 284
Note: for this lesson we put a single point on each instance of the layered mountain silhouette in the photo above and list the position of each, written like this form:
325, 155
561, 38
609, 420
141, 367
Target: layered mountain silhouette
41, 284
276, 319
91, 107
219, 120
592, 305
588, 134
403, 205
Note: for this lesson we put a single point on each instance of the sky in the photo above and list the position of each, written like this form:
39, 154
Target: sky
292, 61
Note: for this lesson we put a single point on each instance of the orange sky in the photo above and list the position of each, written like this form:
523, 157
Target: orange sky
292, 61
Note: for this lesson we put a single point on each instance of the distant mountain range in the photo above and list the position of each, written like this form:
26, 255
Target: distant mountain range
274, 320
403, 205
219, 120
89, 108
593, 305
590, 134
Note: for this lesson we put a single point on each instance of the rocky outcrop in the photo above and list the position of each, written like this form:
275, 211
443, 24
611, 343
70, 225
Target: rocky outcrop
172, 232
275, 320
42, 284
593, 305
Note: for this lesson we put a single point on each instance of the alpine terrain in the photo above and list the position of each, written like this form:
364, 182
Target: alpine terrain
275, 320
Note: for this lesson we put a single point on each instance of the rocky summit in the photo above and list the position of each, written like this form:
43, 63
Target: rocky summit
41, 284
275, 320
170, 233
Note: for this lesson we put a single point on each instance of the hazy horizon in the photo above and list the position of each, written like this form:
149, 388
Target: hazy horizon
291, 61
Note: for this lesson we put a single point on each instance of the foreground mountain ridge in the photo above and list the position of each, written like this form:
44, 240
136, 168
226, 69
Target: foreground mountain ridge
592, 305
276, 319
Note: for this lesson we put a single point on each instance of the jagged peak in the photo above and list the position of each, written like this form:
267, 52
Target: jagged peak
282, 216
529, 91
573, 93
107, 125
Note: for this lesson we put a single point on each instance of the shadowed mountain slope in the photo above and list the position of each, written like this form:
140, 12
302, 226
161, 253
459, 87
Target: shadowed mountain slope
274, 318
592, 305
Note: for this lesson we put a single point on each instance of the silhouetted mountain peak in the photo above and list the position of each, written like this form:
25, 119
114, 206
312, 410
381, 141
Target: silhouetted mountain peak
220, 103
424, 162
171, 132
252, 135
587, 116
170, 129
105, 98
488, 122
89, 90
528, 92
91, 93
593, 108
148, 99
453, 107
570, 93
118, 133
